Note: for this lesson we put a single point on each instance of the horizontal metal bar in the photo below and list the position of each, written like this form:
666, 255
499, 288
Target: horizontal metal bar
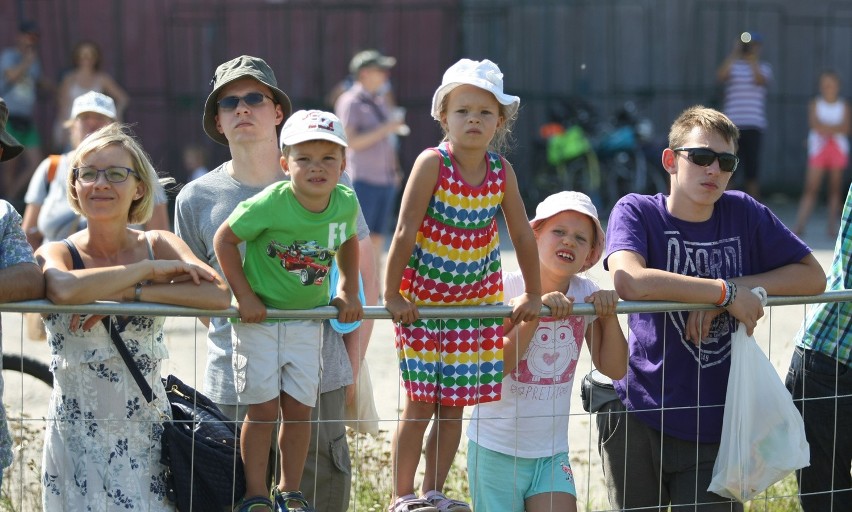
377, 312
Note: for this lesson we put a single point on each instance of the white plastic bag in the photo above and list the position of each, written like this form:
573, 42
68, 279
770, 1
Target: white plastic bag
763, 435
361, 415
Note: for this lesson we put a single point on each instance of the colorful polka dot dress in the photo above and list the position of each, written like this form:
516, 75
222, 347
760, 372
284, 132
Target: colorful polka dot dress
456, 262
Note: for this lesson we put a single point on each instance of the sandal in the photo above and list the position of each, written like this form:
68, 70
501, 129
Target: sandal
444, 504
411, 503
283, 499
250, 504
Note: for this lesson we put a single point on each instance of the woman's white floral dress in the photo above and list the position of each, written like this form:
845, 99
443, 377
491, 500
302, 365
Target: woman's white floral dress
102, 445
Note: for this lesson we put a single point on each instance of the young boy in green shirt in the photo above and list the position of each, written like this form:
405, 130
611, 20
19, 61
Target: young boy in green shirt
291, 230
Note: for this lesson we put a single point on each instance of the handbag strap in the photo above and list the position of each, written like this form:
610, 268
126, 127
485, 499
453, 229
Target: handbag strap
147, 392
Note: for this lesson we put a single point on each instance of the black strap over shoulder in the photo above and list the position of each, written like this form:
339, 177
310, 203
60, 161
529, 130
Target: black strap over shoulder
76, 259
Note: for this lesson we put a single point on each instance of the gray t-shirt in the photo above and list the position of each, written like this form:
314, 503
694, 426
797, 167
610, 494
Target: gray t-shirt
201, 207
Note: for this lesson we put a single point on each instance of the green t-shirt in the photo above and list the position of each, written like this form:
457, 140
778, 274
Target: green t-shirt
289, 250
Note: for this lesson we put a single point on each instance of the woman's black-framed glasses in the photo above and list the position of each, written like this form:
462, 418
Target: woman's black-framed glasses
705, 157
251, 99
112, 174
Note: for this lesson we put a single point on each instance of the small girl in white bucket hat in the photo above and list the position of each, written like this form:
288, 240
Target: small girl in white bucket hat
446, 252
523, 438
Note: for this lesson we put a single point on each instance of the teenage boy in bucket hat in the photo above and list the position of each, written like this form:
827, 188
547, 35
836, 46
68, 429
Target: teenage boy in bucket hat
21, 277
239, 70
48, 215
204, 204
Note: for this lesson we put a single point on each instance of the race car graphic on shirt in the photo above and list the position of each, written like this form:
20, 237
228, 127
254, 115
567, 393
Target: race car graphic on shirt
303, 257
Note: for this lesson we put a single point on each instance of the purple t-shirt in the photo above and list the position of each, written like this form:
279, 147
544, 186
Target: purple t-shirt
742, 237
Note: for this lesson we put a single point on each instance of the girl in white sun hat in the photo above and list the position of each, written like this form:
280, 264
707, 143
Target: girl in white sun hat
445, 252
523, 438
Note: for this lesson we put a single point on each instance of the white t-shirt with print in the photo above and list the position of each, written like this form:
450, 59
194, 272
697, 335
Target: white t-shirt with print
531, 418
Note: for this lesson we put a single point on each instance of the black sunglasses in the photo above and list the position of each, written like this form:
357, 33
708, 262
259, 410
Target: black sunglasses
705, 157
251, 99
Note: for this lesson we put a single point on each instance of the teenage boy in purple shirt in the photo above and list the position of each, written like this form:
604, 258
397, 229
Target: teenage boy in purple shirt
699, 244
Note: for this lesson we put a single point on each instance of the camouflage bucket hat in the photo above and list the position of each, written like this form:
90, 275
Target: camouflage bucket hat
244, 66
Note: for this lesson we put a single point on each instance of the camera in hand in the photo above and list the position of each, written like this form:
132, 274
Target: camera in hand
745, 42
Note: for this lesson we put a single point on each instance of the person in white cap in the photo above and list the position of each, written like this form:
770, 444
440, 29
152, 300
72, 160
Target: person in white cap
48, 216
292, 231
522, 438
446, 252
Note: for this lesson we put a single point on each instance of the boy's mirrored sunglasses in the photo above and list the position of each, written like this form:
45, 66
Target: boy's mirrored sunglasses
251, 99
112, 174
705, 157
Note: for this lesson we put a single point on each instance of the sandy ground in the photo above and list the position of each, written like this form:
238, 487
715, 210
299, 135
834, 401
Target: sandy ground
27, 399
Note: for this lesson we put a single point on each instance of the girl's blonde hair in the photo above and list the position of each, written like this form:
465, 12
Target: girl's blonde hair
503, 141
119, 134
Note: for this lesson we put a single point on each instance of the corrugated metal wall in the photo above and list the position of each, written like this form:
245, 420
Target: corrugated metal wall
662, 53
164, 52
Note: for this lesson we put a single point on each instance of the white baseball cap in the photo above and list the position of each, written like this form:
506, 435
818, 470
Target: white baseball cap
480, 73
572, 201
306, 125
93, 102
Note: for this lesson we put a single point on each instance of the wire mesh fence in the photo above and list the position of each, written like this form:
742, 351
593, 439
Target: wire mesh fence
26, 397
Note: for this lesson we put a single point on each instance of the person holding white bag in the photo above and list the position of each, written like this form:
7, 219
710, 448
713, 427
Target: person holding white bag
820, 380
698, 244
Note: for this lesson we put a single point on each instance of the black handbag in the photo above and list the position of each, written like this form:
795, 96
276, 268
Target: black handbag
200, 446
596, 391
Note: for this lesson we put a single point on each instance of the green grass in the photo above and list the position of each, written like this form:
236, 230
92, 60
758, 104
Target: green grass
371, 476
781, 497
21, 490
372, 473
371, 480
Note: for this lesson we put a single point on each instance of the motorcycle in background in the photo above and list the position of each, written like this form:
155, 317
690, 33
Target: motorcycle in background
565, 154
630, 156
604, 159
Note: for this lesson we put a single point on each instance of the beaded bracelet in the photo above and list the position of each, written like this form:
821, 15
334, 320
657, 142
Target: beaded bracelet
731, 295
137, 294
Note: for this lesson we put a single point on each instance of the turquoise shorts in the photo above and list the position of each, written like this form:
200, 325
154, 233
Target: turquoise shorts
488, 471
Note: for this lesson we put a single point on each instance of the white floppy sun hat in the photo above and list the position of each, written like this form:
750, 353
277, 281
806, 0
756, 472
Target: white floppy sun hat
480, 73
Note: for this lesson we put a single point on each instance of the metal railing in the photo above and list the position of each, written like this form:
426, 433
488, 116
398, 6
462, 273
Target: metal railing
27, 428
376, 312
